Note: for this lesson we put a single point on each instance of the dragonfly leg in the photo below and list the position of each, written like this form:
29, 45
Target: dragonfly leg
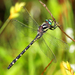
54, 26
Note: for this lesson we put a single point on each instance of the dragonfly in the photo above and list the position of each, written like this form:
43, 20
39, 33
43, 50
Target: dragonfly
40, 31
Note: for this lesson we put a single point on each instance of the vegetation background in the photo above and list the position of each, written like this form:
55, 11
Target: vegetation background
34, 60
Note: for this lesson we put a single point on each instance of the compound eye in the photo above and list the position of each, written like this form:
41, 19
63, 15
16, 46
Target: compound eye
50, 22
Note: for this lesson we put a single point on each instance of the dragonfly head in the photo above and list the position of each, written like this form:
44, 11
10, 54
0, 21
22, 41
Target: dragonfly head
48, 21
51, 23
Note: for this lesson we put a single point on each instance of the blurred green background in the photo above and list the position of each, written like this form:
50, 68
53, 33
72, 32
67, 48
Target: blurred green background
34, 60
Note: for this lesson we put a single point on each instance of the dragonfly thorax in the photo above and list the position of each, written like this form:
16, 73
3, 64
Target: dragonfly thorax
43, 28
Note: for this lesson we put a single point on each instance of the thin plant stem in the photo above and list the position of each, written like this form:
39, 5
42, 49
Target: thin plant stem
47, 66
4, 26
44, 5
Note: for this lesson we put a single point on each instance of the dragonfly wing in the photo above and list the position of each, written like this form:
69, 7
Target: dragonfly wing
55, 42
59, 47
28, 19
46, 49
20, 27
50, 45
24, 24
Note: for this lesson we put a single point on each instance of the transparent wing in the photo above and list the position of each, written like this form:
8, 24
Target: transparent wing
46, 49
54, 42
28, 20
52, 46
25, 24
20, 27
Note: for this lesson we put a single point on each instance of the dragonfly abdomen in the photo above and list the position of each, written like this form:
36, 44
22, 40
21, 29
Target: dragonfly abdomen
14, 61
